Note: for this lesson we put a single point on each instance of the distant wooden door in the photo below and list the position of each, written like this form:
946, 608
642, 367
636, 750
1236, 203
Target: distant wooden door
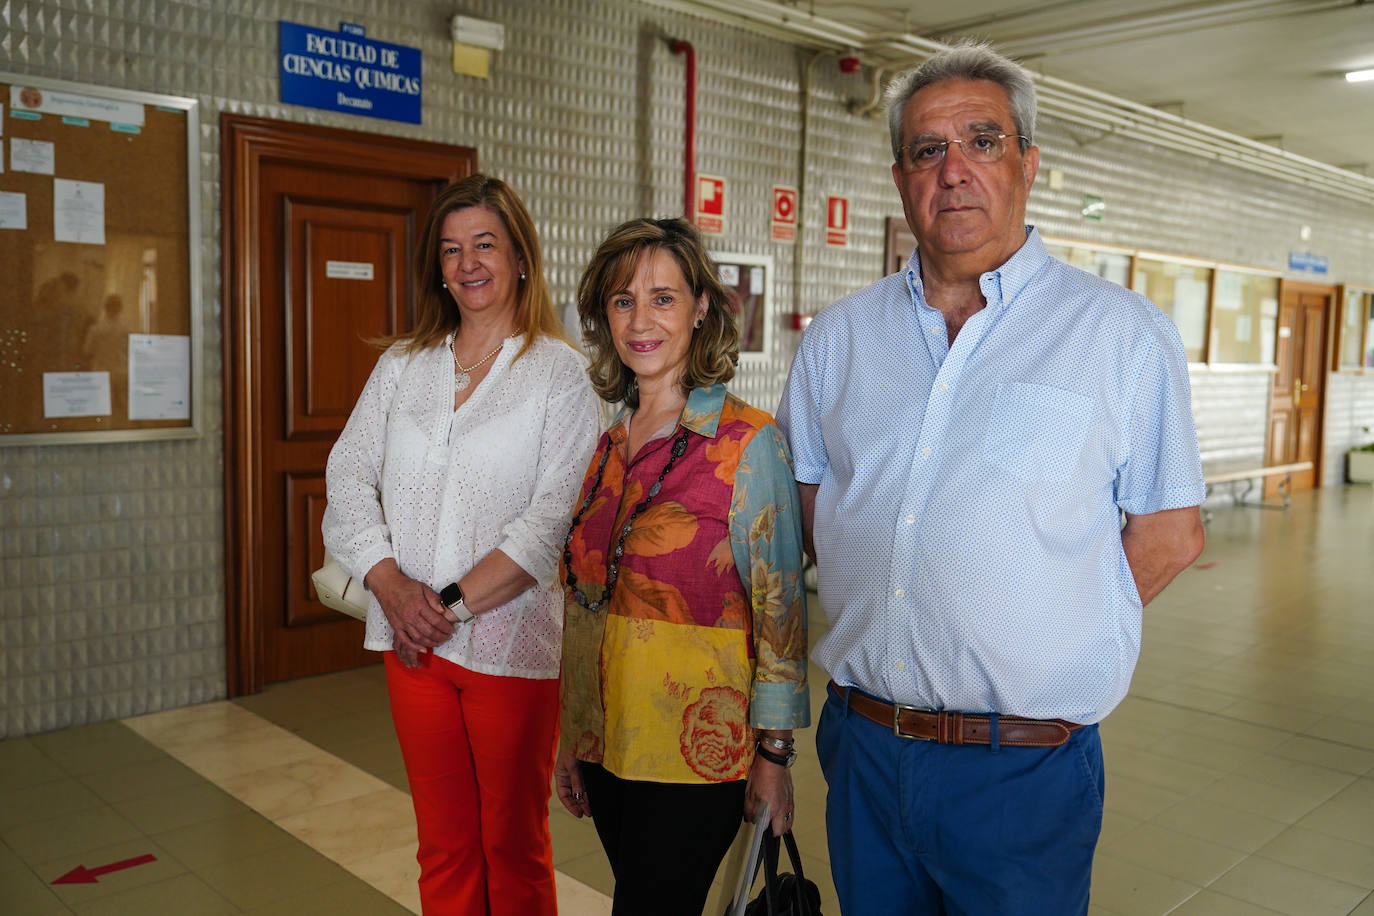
320, 233
1296, 402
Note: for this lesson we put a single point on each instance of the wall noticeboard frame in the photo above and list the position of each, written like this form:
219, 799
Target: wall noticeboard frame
100, 305
748, 282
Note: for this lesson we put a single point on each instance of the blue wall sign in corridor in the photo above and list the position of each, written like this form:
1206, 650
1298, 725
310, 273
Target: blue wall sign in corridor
346, 71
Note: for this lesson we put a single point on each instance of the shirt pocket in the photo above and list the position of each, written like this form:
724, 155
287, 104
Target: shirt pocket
1036, 433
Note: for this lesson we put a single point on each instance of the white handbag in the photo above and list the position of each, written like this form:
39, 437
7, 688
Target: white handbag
340, 591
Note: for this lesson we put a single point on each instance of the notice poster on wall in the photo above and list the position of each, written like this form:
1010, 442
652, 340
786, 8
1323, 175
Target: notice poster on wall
78, 211
159, 377
76, 394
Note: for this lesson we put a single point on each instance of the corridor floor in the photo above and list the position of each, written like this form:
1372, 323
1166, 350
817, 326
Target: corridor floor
1240, 770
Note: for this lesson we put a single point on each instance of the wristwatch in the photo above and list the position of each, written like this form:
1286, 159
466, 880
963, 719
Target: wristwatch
772, 756
452, 596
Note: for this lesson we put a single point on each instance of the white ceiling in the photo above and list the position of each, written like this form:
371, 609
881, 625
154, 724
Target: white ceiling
1270, 70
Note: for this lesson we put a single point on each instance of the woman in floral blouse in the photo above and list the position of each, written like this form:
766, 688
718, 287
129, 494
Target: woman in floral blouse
684, 646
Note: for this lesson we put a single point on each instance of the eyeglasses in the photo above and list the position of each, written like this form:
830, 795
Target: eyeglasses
983, 147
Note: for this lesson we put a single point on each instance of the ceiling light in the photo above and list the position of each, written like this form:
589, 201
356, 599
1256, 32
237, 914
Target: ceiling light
1359, 76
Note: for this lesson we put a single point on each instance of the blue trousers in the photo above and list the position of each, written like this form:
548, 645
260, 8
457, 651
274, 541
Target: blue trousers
922, 828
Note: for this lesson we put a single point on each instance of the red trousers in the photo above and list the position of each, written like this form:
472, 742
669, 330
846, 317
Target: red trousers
479, 754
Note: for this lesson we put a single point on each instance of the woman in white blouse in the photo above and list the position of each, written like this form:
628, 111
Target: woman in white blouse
455, 477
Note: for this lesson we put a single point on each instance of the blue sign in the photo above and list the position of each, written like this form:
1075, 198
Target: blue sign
1306, 260
345, 71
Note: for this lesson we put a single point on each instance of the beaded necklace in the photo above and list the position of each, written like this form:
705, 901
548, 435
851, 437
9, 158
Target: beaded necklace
613, 566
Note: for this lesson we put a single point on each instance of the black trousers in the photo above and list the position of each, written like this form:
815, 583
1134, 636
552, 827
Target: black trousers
665, 841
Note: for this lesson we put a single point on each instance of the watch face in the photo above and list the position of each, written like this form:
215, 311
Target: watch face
451, 594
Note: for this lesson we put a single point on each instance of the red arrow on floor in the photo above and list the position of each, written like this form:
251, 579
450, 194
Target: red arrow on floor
83, 875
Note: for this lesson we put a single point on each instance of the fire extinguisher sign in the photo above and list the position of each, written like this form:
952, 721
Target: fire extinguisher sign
784, 214
710, 207
837, 221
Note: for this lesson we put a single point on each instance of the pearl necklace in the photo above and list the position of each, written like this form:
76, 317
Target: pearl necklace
613, 566
463, 377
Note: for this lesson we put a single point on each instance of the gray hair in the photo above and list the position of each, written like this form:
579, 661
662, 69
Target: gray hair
970, 60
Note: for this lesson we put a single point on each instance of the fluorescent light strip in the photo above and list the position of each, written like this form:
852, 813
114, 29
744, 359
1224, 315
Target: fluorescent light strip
1359, 76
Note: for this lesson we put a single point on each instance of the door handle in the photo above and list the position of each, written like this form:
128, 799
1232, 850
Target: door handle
1297, 390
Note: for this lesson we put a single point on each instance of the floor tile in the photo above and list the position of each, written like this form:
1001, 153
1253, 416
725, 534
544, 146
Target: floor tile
23, 892
1209, 903
26, 804
140, 779
1283, 803
1134, 798
335, 900
291, 788
1177, 855
179, 807
1161, 771
91, 828
1326, 753
1221, 824
259, 880
1344, 730
185, 895
1133, 891
357, 829
226, 839
1333, 857
22, 765
394, 872
1289, 890
162, 867
92, 748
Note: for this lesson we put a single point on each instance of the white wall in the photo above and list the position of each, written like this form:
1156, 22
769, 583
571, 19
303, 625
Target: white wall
112, 556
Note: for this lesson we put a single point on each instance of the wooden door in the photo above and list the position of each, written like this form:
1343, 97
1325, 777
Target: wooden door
1295, 404
320, 228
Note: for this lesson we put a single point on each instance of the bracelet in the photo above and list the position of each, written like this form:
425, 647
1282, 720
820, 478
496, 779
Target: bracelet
782, 760
782, 744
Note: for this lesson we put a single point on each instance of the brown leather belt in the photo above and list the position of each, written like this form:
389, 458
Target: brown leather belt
956, 727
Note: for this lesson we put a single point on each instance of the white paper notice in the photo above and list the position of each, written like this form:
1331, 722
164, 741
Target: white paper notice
729, 275
159, 377
14, 210
2, 120
2, 145
348, 270
31, 156
755, 281
78, 211
76, 394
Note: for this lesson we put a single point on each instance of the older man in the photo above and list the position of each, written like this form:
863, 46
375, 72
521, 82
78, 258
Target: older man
967, 435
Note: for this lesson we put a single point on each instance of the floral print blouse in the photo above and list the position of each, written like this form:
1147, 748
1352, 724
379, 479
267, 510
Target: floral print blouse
704, 638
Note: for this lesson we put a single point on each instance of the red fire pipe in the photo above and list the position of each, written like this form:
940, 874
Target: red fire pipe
689, 167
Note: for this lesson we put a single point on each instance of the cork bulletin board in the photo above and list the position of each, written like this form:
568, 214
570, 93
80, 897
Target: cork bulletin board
99, 264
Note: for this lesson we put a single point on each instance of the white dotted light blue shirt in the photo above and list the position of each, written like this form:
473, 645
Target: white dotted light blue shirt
967, 524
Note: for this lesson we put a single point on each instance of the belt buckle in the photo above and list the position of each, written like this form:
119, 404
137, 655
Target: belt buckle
897, 709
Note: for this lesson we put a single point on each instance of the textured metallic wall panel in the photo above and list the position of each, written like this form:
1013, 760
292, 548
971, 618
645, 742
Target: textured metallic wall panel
112, 556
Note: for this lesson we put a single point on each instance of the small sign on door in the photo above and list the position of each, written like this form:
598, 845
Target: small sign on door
348, 270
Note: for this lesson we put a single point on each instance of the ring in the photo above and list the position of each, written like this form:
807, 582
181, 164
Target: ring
787, 816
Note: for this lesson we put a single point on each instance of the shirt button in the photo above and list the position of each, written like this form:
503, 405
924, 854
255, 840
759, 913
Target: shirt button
944, 387
901, 666
898, 593
926, 452
911, 519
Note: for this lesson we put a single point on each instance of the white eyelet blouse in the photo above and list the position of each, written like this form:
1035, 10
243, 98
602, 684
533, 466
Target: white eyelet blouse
439, 489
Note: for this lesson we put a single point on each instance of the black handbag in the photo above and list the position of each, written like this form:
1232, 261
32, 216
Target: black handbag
785, 894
